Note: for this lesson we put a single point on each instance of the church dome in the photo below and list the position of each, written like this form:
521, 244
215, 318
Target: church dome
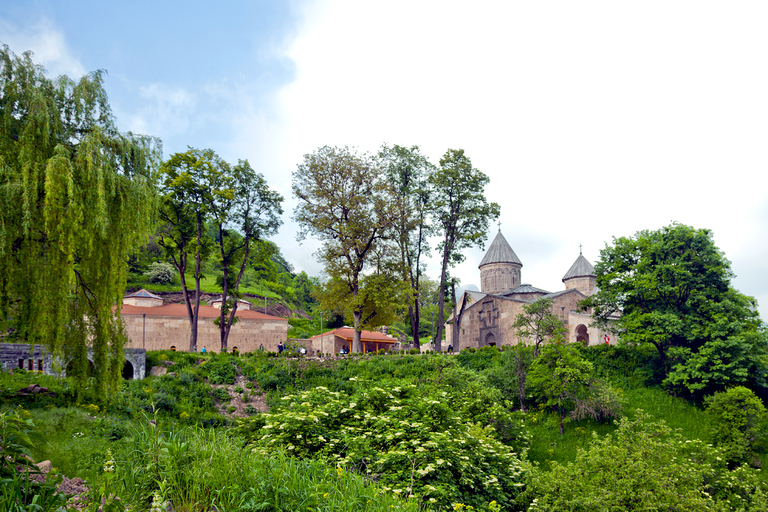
580, 268
500, 252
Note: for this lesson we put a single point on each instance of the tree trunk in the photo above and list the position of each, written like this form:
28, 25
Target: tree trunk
441, 297
562, 418
413, 314
456, 318
521, 377
356, 345
223, 331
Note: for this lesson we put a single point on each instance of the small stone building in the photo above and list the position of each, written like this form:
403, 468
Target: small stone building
38, 358
487, 316
331, 342
153, 325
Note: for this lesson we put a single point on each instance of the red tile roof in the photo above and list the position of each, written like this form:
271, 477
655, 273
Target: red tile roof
181, 310
348, 332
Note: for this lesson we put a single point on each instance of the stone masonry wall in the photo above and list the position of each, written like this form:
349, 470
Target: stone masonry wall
163, 332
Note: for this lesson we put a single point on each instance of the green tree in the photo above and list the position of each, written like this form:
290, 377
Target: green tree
344, 202
560, 376
76, 196
252, 211
462, 215
535, 326
671, 288
190, 181
408, 173
738, 420
538, 325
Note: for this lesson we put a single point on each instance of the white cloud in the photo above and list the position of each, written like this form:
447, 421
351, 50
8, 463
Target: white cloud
593, 119
162, 109
48, 44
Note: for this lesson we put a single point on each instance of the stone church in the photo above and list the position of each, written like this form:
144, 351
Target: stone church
487, 316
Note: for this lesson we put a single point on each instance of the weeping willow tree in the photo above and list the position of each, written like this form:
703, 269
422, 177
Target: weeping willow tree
75, 196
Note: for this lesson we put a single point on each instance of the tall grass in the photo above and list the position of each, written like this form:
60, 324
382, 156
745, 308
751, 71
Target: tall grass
208, 469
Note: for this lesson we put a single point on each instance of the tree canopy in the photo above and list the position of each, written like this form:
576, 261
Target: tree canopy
407, 172
76, 196
235, 203
462, 215
671, 288
344, 202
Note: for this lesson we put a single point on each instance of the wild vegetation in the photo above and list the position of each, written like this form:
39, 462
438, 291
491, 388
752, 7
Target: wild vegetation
403, 432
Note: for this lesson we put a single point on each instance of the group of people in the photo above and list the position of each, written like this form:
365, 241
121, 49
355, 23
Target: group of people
344, 350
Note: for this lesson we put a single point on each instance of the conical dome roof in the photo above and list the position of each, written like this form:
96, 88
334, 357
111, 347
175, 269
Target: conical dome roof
580, 268
500, 252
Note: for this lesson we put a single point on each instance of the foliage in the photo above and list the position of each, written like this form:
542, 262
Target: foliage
193, 469
75, 196
344, 201
15, 442
411, 442
738, 420
560, 376
672, 289
461, 214
645, 465
407, 172
244, 211
160, 272
601, 404
190, 181
537, 325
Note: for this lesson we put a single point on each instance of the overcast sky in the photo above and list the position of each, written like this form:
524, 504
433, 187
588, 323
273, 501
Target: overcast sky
592, 119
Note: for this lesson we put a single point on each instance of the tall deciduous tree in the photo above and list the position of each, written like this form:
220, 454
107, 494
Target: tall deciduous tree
191, 182
672, 289
242, 214
462, 216
408, 173
344, 202
75, 196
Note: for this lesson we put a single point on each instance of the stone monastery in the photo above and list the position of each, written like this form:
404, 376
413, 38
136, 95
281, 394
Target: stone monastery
486, 317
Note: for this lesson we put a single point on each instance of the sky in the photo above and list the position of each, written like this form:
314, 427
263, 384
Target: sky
592, 119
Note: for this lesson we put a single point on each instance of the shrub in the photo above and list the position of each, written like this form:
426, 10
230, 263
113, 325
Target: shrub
645, 465
411, 440
601, 404
221, 395
221, 369
738, 419
160, 273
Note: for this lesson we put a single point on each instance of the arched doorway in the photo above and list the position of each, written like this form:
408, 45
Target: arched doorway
128, 370
88, 371
490, 340
582, 335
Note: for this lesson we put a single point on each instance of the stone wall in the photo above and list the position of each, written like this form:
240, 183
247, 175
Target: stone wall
489, 321
163, 332
37, 358
584, 284
496, 278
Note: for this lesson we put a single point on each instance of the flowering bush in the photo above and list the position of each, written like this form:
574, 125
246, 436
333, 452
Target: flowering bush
408, 439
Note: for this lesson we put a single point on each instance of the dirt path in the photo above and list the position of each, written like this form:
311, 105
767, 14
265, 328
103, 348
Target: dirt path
256, 399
